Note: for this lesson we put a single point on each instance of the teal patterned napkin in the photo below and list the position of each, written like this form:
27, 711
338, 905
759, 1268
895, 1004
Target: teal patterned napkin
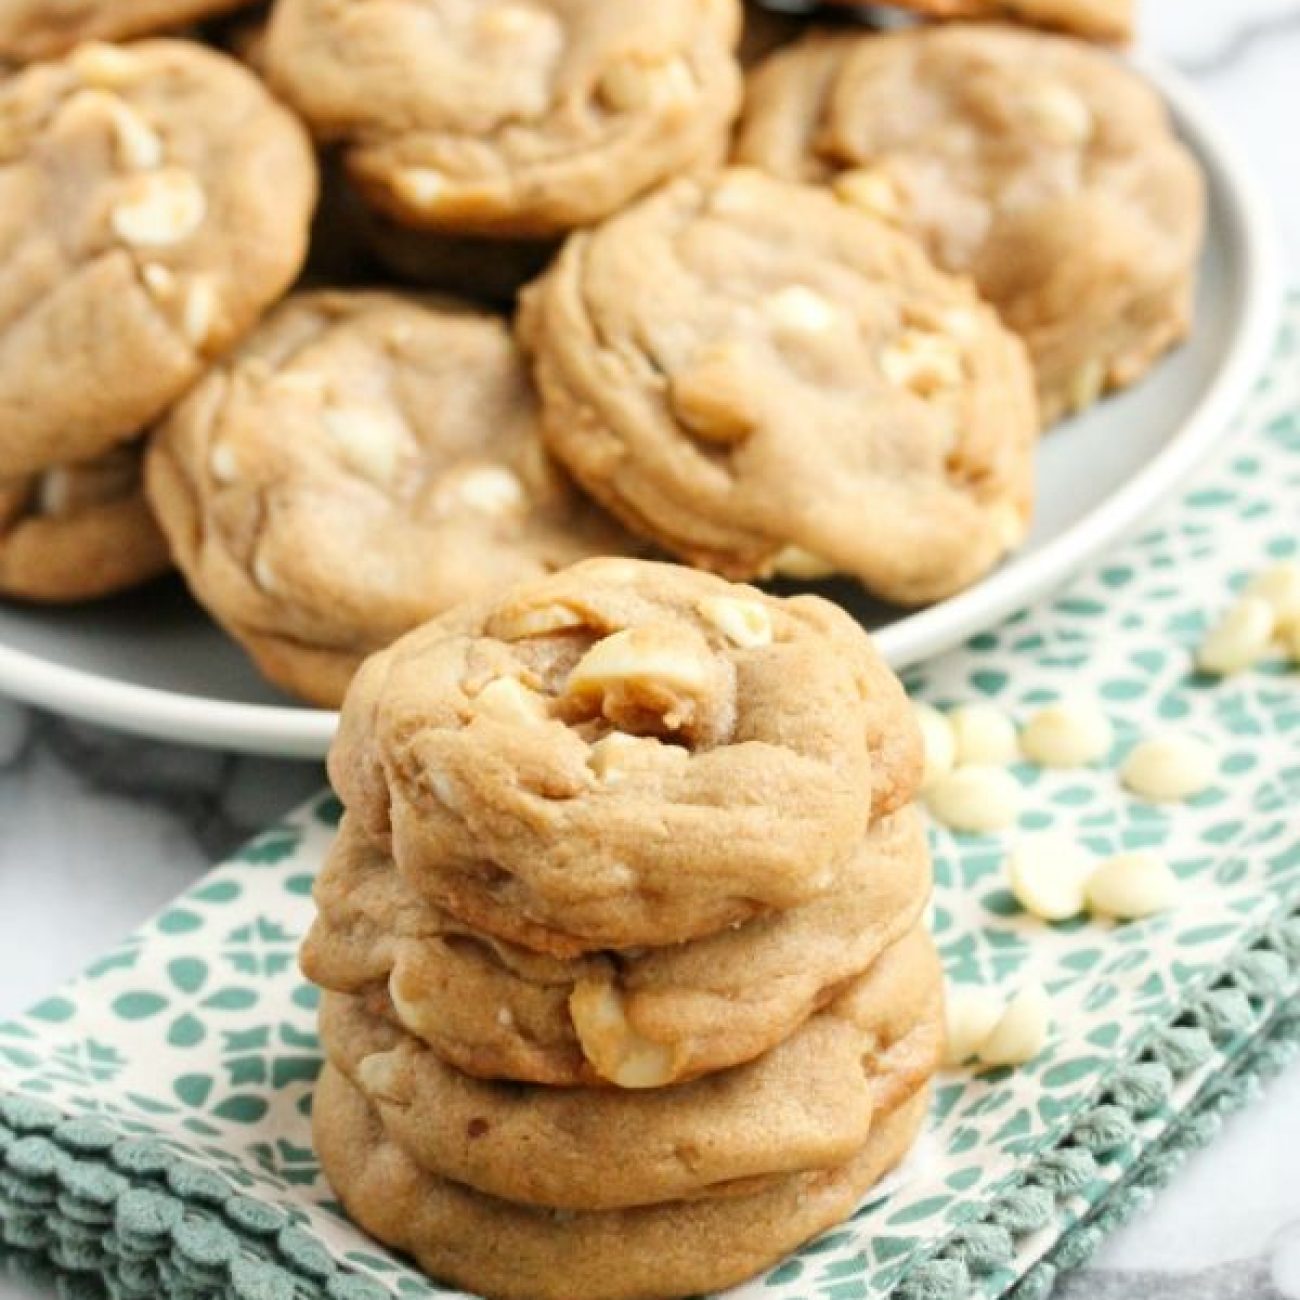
153, 1114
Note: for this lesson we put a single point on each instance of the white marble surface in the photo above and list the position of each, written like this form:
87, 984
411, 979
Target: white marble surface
97, 831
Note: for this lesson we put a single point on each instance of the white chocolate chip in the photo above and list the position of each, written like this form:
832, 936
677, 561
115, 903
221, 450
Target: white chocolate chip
923, 362
972, 1013
800, 310
505, 1017
1170, 768
199, 314
223, 463
508, 700
263, 574
652, 653
139, 146
1046, 872
109, 67
714, 395
632, 84
54, 496
1130, 886
542, 620
609, 756
871, 190
1072, 733
490, 490
374, 440
379, 1076
939, 743
977, 799
1240, 639
983, 734
159, 209
420, 187
616, 1050
1022, 1031
1279, 585
1056, 114
744, 623
159, 281
795, 562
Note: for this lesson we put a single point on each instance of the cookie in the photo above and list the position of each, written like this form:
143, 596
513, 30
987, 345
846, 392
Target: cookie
624, 754
1102, 20
513, 1252
806, 1105
361, 463
77, 532
496, 1010
43, 29
763, 379
512, 117
154, 199
1043, 168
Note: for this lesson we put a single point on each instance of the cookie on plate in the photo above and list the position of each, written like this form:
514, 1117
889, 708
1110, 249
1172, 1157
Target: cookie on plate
76, 532
511, 117
361, 463
1101, 20
765, 380
569, 1148
614, 755
1041, 167
42, 29
154, 199
518, 1252
648, 1016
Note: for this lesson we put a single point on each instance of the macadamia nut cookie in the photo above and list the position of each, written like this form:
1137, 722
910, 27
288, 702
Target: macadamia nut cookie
568, 1148
42, 29
154, 199
640, 1017
1043, 168
510, 117
763, 380
76, 532
519, 1252
624, 753
361, 463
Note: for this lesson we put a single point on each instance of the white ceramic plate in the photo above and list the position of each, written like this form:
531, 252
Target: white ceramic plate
151, 663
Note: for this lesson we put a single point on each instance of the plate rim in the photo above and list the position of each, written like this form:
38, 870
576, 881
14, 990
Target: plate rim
291, 731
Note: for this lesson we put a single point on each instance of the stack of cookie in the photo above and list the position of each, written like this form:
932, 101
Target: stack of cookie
628, 992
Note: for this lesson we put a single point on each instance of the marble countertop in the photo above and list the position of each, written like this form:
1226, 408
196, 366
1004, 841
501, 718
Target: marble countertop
98, 830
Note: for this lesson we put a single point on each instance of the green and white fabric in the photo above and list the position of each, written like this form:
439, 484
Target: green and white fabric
154, 1132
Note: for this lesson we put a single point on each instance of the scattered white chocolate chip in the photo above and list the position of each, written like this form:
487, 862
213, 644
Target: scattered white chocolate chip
541, 620
508, 700
871, 190
940, 745
924, 362
54, 496
744, 623
1071, 733
1022, 1031
263, 574
977, 799
1130, 886
609, 755
490, 490
223, 463
983, 734
610, 1043
795, 562
1056, 114
1046, 872
373, 440
421, 187
1279, 585
1170, 768
800, 310
378, 1076
109, 67
633, 83
159, 209
972, 1013
1240, 639
199, 314
713, 396
505, 1017
139, 146
159, 281
659, 653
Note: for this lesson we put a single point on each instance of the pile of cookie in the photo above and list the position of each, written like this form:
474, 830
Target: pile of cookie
628, 987
801, 296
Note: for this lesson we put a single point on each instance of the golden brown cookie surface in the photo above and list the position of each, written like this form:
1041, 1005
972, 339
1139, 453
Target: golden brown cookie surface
153, 200
614, 756
361, 463
77, 532
512, 117
764, 379
496, 1010
1041, 167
